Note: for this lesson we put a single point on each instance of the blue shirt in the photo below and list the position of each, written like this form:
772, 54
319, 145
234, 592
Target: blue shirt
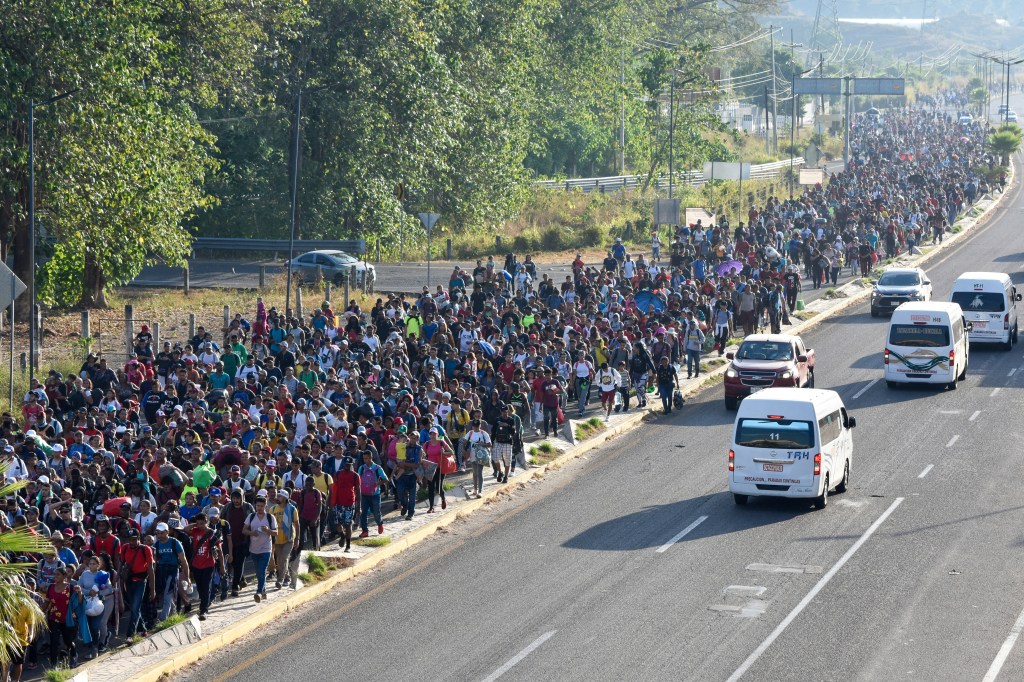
167, 553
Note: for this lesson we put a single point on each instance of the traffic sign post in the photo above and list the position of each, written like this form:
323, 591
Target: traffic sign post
428, 220
10, 289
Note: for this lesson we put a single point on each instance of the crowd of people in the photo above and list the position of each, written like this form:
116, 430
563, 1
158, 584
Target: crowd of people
200, 468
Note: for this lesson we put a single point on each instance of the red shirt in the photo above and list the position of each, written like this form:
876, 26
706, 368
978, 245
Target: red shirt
202, 555
343, 492
138, 560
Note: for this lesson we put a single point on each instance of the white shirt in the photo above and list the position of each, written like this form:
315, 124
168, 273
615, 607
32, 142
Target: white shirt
608, 379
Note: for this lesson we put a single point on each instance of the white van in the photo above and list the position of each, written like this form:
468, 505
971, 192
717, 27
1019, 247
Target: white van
989, 301
926, 343
791, 442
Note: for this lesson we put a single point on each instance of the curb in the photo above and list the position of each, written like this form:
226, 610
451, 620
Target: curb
193, 652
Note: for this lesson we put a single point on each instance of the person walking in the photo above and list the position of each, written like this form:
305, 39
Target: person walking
345, 501
207, 554
405, 471
260, 528
286, 541
608, 383
138, 572
436, 449
551, 392
693, 341
583, 371
372, 479
479, 454
641, 366
170, 562
502, 437
668, 382
311, 503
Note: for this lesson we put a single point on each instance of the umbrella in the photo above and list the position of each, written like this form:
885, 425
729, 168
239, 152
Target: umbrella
649, 298
487, 348
728, 267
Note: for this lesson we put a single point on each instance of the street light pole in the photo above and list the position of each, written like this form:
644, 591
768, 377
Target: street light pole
32, 323
671, 133
295, 200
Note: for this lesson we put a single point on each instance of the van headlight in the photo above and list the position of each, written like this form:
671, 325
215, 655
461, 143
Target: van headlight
916, 296
786, 375
875, 294
731, 373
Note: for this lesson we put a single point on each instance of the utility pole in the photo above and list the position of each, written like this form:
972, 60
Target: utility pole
846, 141
767, 138
775, 99
671, 133
622, 116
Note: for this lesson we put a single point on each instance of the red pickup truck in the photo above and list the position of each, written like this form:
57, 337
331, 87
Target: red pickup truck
764, 360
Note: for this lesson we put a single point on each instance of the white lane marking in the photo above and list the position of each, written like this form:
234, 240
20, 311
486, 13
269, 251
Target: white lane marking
926, 470
864, 390
520, 656
752, 658
950, 411
995, 392
974, 416
682, 534
952, 440
1004, 651
785, 568
1012, 372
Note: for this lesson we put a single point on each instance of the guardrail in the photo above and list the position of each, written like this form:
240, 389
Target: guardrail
764, 171
354, 246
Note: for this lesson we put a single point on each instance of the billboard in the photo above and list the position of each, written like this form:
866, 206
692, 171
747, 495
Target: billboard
726, 170
878, 86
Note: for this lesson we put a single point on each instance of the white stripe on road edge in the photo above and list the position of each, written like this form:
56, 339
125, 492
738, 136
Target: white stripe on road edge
752, 658
520, 656
953, 440
994, 392
926, 470
1004, 651
1012, 372
682, 534
863, 390
974, 416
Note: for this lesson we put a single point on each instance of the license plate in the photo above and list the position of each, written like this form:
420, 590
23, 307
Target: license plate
980, 324
755, 389
773, 467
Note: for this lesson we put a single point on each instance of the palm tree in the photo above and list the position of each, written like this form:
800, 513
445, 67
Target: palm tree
16, 602
1004, 143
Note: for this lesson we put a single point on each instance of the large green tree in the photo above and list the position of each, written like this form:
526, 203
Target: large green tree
123, 163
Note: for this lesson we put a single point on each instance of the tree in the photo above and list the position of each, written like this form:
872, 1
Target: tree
122, 165
1004, 142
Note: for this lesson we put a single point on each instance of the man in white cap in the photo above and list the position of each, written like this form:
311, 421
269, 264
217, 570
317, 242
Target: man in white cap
170, 560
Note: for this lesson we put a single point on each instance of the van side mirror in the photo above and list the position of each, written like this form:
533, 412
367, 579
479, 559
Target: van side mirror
1017, 297
730, 355
969, 326
927, 282
801, 358
852, 422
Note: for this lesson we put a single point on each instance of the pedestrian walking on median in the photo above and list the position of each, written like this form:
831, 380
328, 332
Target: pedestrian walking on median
584, 373
480, 454
502, 438
345, 500
137, 573
436, 449
171, 564
260, 528
207, 554
608, 382
371, 479
287, 540
405, 471
311, 503
693, 341
668, 382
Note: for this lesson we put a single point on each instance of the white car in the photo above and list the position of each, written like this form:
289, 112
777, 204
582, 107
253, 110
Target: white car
897, 286
334, 265
1011, 116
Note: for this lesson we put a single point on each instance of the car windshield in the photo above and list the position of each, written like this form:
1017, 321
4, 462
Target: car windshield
344, 258
979, 301
774, 433
765, 350
919, 335
899, 279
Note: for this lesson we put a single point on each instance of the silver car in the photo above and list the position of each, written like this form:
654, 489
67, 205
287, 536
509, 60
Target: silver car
897, 286
335, 266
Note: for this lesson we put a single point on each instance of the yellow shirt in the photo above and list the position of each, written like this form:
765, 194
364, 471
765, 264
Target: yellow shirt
322, 482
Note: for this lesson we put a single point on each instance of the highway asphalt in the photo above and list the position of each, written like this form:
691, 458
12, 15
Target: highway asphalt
915, 573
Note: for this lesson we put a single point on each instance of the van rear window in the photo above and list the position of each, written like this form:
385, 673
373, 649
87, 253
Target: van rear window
980, 301
774, 433
919, 335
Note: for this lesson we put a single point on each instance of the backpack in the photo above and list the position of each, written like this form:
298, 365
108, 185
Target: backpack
369, 479
502, 431
270, 521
